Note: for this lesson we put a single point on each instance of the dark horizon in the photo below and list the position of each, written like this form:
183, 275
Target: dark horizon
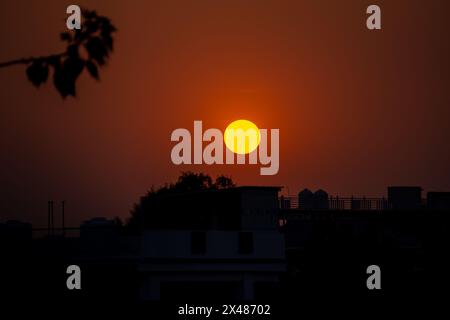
407, 197
216, 246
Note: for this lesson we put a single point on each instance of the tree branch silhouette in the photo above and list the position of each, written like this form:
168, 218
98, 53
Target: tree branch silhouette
29, 60
94, 38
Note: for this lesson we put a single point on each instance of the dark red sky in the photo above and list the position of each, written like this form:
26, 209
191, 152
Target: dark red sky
357, 110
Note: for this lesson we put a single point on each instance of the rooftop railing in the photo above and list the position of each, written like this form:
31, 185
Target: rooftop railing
336, 203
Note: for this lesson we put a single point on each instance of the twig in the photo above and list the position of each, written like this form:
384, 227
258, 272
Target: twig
29, 60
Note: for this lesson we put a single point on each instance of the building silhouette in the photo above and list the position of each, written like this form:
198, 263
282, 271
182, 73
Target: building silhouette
234, 247
438, 200
405, 198
235, 244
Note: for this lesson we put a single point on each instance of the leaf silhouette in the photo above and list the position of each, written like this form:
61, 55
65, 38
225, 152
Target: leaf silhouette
72, 51
92, 68
37, 73
73, 67
95, 36
66, 36
97, 50
61, 82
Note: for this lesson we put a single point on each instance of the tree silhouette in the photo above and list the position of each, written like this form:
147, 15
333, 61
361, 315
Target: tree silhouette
151, 207
94, 38
223, 182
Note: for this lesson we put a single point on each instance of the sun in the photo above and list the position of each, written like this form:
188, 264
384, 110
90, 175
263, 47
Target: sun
242, 136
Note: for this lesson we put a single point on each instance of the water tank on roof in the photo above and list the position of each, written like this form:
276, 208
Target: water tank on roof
305, 200
321, 200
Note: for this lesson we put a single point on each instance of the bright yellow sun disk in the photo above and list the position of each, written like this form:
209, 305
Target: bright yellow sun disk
242, 136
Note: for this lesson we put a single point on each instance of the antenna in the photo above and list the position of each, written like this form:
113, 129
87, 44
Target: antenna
52, 218
48, 218
62, 219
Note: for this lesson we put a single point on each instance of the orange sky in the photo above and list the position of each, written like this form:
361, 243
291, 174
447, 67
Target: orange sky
357, 110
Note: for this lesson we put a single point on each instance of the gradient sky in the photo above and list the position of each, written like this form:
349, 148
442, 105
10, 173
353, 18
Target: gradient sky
357, 110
